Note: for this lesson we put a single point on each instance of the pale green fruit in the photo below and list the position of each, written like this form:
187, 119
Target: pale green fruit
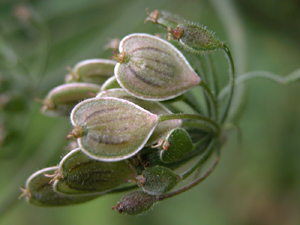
111, 129
61, 100
151, 106
95, 71
151, 68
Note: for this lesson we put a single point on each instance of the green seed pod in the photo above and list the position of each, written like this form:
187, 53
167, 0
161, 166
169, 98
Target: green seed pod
176, 145
62, 99
150, 68
153, 107
95, 71
196, 39
79, 174
111, 129
110, 83
135, 203
157, 180
40, 192
164, 18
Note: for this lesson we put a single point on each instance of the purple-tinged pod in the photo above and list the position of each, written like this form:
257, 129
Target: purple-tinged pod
151, 106
135, 203
157, 180
111, 129
77, 174
151, 68
95, 71
195, 38
61, 100
39, 191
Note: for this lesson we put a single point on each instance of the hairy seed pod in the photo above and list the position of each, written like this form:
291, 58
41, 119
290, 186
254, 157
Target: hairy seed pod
178, 144
95, 71
153, 107
151, 68
61, 100
157, 180
39, 191
195, 38
79, 174
135, 203
111, 129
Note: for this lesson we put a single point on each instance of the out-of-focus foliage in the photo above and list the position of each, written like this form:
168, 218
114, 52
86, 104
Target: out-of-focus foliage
256, 184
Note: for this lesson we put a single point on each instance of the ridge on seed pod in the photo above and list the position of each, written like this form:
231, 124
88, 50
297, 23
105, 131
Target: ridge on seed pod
151, 106
151, 68
95, 71
111, 129
61, 100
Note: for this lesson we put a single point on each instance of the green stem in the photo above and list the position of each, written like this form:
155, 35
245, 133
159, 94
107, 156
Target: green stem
291, 78
211, 100
191, 101
213, 72
203, 158
203, 121
231, 83
191, 185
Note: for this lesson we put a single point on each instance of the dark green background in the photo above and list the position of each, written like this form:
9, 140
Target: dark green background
258, 184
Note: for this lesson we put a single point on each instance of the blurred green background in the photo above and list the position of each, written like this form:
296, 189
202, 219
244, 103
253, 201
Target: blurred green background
258, 184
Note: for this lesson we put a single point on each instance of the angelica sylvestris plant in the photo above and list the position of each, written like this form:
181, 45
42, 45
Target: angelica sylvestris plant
130, 120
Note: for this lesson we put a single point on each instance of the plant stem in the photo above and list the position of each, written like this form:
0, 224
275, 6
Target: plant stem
203, 121
231, 83
203, 158
211, 100
292, 77
213, 72
191, 185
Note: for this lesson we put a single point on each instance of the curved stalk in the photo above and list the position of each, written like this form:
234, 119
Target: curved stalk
204, 122
203, 158
231, 83
212, 105
191, 185
292, 77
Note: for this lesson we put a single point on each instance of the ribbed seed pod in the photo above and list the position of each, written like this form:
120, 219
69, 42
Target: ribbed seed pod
111, 129
80, 174
95, 71
151, 106
150, 68
40, 192
61, 100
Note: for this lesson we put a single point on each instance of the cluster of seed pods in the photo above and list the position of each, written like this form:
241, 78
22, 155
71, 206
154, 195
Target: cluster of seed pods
129, 122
